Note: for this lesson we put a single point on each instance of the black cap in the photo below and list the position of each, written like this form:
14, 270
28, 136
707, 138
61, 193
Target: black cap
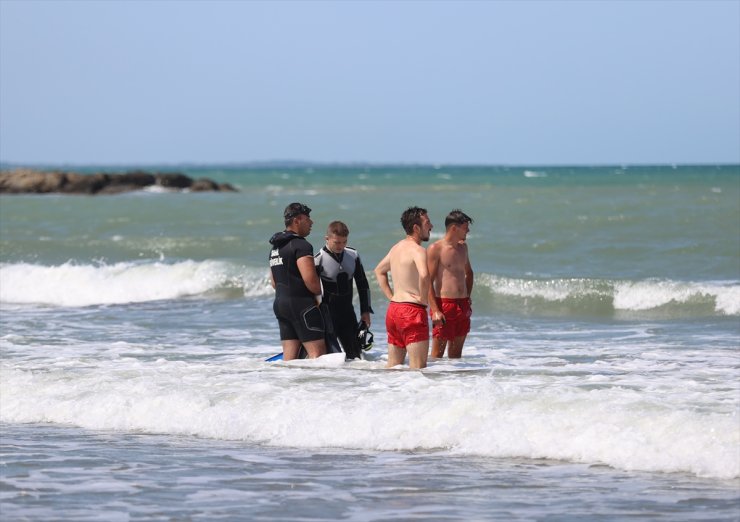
296, 209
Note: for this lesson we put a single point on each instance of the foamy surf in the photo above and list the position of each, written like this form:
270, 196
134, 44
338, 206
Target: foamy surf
482, 415
683, 298
76, 285
646, 295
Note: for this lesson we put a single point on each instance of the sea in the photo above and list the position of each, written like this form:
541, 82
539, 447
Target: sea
600, 380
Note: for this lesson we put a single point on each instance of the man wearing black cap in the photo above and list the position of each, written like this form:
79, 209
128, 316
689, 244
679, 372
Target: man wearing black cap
297, 286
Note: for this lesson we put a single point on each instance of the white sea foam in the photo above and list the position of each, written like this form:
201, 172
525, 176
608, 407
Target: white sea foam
467, 413
73, 284
624, 295
550, 290
646, 295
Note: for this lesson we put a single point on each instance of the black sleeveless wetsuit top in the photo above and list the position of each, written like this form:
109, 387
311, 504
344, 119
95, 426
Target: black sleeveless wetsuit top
287, 248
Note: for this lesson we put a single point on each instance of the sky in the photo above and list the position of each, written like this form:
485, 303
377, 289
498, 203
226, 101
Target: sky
107, 82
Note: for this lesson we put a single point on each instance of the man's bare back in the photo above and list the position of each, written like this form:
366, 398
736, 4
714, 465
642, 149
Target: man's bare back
404, 260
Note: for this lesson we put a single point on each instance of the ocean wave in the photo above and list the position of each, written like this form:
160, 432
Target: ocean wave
76, 285
480, 415
608, 297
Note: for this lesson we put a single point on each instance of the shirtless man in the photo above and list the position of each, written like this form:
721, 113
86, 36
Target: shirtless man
452, 284
406, 320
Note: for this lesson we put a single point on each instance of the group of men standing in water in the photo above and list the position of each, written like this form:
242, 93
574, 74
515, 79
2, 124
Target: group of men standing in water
439, 277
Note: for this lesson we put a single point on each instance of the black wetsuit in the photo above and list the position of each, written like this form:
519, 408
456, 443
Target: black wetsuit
336, 273
294, 305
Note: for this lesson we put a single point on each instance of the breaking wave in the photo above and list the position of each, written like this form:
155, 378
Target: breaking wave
75, 285
609, 297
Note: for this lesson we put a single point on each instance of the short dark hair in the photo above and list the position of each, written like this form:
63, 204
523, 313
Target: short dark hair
410, 217
338, 228
457, 217
294, 210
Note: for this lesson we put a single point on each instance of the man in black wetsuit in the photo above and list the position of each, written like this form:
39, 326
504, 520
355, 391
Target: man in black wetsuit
297, 286
337, 264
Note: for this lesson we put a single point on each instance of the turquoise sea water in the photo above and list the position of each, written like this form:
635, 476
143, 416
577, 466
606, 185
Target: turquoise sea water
599, 380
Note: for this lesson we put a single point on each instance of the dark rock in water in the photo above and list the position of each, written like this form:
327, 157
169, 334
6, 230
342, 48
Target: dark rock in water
202, 184
128, 181
174, 180
83, 183
29, 181
205, 184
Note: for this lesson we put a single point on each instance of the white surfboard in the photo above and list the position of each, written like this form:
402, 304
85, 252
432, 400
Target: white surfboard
330, 360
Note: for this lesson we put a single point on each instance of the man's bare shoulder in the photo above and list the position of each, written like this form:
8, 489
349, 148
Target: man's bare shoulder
416, 247
435, 248
397, 247
405, 245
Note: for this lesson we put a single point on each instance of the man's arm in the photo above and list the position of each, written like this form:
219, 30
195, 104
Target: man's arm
468, 273
433, 253
363, 289
381, 274
307, 268
420, 260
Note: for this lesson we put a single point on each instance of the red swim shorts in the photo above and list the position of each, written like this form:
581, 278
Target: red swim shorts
457, 313
406, 323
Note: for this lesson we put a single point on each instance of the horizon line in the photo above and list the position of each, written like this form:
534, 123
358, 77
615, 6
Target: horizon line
356, 164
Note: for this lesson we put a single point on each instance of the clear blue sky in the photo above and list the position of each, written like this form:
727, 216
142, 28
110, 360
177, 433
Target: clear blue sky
498, 82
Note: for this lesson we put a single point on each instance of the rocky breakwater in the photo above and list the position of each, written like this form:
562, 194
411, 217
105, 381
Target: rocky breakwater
30, 181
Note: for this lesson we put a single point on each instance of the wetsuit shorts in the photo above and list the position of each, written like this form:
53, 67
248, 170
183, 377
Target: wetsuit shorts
406, 323
299, 318
457, 312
